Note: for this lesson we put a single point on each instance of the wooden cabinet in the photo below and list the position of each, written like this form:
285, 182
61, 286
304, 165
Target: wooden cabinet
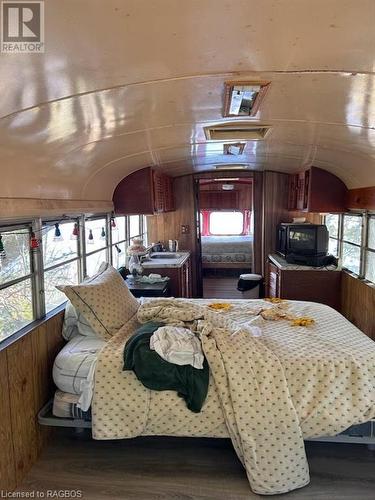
162, 192
316, 190
180, 283
144, 192
299, 283
219, 200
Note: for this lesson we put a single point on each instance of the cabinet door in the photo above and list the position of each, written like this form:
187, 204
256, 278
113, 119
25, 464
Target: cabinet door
301, 191
158, 192
306, 189
134, 195
168, 194
163, 193
292, 192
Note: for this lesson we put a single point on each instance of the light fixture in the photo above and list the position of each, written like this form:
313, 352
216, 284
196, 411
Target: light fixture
57, 236
34, 243
243, 98
75, 232
226, 179
226, 166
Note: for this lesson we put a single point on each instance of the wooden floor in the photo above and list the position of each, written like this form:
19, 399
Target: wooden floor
182, 468
221, 288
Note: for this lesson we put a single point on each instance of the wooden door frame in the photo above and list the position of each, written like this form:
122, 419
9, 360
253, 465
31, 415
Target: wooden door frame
198, 240
258, 217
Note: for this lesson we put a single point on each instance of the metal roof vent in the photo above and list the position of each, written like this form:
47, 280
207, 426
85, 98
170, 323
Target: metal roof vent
240, 131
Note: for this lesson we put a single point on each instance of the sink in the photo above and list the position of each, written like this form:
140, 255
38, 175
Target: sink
165, 255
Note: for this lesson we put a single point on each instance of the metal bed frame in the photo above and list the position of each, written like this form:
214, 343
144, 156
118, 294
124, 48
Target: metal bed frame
356, 434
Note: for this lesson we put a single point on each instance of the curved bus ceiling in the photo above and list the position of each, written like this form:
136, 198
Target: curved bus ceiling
127, 84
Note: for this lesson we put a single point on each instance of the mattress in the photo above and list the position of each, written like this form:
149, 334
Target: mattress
74, 366
231, 249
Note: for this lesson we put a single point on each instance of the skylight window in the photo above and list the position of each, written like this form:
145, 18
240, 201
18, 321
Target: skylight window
234, 149
243, 98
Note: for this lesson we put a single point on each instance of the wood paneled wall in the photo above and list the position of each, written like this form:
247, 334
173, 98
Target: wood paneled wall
275, 209
242, 191
168, 226
25, 386
362, 198
270, 190
358, 303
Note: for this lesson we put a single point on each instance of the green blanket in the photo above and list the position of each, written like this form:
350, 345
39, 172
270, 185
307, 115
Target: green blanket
160, 375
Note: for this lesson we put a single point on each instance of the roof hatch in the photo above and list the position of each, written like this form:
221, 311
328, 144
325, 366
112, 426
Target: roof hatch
233, 131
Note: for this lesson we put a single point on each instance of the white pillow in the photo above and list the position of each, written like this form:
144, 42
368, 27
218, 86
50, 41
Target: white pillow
104, 300
75, 324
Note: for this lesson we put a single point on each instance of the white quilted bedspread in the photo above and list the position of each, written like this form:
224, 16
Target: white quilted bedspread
266, 393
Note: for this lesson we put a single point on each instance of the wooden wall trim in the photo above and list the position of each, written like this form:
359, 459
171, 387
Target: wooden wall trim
168, 226
358, 303
4, 344
258, 261
32, 207
361, 198
25, 386
275, 209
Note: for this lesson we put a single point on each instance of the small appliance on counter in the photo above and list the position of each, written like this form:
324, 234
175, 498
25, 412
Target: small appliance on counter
157, 247
304, 244
173, 245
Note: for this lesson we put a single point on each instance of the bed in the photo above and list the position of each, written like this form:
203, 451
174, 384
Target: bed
227, 251
266, 393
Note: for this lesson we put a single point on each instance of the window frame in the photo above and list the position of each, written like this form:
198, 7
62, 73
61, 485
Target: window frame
25, 228
365, 216
367, 248
339, 232
37, 268
120, 241
211, 212
360, 274
47, 222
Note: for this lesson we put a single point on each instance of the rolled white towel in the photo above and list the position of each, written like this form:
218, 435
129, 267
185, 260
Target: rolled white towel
177, 345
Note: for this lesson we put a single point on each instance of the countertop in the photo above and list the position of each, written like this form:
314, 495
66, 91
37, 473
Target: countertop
281, 263
173, 262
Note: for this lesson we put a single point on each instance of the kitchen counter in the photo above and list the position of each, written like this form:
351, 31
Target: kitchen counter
294, 282
176, 261
281, 263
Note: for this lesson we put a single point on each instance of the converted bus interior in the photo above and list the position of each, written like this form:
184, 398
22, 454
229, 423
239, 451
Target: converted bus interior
187, 249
